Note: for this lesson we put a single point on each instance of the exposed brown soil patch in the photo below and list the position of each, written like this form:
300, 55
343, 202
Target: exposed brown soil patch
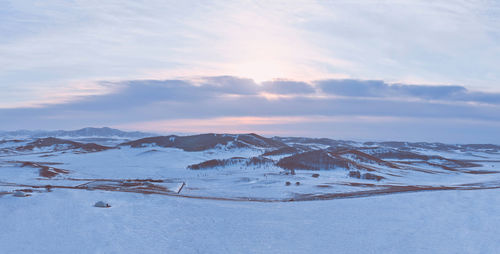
45, 168
47, 155
323, 186
50, 172
480, 172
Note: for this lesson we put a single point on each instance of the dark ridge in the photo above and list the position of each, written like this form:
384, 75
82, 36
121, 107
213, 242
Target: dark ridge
406, 155
485, 147
455, 163
355, 174
259, 141
322, 141
187, 143
394, 154
281, 151
257, 161
208, 164
367, 176
362, 157
43, 142
412, 145
434, 146
314, 160
302, 148
254, 161
206, 141
46, 142
395, 144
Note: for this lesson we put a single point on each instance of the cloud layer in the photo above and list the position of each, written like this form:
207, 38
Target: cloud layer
380, 89
343, 108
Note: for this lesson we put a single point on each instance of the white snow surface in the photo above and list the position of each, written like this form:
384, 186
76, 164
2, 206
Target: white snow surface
65, 221
61, 220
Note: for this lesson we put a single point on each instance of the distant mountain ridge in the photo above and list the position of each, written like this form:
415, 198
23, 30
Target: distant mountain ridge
85, 132
288, 145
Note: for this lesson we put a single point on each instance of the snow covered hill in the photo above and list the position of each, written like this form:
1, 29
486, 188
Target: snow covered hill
212, 176
208, 141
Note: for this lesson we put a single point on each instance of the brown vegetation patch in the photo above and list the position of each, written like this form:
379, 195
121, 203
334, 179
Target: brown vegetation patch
323, 186
367, 176
50, 172
480, 172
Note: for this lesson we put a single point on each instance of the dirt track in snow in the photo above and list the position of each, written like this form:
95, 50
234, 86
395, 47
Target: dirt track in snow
153, 186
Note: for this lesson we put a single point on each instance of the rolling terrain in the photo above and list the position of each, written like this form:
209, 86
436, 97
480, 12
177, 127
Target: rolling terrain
243, 167
230, 193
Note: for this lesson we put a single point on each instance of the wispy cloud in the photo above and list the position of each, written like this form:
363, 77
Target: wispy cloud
51, 43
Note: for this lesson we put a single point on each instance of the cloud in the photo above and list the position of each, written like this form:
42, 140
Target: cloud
214, 97
380, 89
287, 87
54, 42
229, 85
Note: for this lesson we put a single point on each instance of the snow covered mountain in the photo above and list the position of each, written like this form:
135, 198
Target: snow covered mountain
81, 133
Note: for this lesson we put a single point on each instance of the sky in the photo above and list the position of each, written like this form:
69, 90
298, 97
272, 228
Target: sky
361, 69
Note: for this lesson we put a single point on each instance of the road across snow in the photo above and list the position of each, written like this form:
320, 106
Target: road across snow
65, 221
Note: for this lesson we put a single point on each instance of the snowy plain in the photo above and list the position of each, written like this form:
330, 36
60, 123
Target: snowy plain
47, 197
427, 222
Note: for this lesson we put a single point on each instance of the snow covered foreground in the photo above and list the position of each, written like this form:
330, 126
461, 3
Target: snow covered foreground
425, 222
